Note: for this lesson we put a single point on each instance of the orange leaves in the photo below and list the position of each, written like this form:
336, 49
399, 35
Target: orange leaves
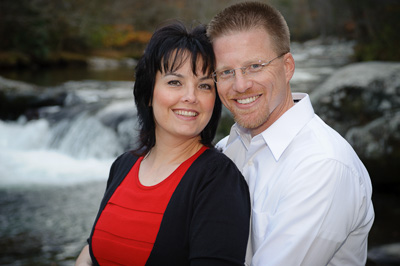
121, 35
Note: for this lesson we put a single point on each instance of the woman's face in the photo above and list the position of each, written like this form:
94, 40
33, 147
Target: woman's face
183, 103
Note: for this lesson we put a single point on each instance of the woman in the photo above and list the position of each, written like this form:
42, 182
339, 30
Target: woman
175, 200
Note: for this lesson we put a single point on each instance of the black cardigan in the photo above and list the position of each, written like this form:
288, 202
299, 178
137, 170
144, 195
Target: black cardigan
207, 218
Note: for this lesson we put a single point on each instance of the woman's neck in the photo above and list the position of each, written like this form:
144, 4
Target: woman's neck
163, 159
173, 153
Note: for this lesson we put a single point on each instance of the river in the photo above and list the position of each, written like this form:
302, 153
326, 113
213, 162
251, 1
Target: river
53, 171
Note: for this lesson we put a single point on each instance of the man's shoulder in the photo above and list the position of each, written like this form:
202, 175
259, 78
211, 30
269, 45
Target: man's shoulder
318, 142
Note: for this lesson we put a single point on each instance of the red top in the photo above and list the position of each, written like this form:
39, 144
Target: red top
127, 228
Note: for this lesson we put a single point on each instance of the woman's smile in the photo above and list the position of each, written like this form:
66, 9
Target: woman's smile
186, 113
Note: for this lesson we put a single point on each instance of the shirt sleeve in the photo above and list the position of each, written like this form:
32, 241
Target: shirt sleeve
221, 216
321, 205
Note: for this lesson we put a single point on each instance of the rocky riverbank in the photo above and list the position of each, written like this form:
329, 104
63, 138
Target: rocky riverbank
362, 102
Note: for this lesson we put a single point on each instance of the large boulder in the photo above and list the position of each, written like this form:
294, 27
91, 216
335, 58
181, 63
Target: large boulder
19, 98
362, 102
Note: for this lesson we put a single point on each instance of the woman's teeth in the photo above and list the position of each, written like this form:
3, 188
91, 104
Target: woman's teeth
186, 113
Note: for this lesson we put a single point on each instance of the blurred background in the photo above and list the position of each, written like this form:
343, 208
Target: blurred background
67, 110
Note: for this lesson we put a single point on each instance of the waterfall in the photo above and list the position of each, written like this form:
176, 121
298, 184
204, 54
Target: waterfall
71, 144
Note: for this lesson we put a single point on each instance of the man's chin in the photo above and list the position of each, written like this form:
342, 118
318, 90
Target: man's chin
250, 122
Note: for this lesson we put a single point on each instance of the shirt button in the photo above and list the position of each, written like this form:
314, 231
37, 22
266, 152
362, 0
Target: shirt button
250, 163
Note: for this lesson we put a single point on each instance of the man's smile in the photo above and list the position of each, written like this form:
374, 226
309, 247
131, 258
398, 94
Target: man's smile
248, 100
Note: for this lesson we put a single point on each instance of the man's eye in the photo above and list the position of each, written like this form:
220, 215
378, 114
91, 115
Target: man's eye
255, 67
226, 73
174, 83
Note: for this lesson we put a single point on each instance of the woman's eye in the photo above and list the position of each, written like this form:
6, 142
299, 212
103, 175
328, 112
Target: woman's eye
174, 83
205, 86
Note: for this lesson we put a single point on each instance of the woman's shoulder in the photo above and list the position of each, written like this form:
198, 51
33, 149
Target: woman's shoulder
214, 160
124, 161
215, 155
126, 157
214, 170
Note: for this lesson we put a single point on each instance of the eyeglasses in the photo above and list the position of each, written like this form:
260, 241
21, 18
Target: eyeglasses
253, 68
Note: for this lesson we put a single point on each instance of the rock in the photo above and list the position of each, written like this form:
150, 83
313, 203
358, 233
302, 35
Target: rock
357, 94
101, 63
385, 255
19, 98
22, 245
8, 84
379, 138
362, 102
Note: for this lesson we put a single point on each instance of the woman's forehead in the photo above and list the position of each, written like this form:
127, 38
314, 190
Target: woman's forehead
178, 59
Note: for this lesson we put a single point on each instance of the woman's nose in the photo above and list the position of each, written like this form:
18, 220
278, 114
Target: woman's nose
190, 95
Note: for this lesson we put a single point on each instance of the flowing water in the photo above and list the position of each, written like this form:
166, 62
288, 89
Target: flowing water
53, 169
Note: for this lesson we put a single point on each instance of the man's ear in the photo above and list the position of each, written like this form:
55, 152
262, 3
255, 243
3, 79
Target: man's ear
289, 66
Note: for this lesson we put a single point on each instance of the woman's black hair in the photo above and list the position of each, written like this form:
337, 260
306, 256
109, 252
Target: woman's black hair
168, 49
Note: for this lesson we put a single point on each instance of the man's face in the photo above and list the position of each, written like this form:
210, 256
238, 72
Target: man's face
256, 100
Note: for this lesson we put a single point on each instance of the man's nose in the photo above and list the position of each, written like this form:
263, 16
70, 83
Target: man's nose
241, 82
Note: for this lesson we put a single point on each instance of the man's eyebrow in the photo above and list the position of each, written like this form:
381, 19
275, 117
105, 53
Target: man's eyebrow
223, 68
245, 63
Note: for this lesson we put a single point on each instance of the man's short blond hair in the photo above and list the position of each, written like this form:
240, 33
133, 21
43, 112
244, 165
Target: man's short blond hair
252, 15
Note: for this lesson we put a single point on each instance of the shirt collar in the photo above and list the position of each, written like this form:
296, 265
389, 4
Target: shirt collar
239, 132
281, 133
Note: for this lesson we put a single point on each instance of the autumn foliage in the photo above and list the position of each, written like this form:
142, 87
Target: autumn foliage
121, 35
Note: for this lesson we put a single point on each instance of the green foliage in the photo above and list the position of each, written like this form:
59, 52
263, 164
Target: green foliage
376, 33
26, 33
224, 126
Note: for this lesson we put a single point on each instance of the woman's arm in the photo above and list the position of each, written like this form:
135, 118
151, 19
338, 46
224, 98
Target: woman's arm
220, 223
84, 258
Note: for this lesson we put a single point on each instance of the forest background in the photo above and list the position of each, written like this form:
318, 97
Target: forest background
40, 33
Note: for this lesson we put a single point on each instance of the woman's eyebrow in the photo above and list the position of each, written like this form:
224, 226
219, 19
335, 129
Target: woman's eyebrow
170, 73
206, 77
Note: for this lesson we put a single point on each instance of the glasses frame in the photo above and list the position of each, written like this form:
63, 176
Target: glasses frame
244, 69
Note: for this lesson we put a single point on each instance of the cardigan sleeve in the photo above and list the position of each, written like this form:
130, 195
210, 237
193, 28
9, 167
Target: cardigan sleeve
221, 215
119, 169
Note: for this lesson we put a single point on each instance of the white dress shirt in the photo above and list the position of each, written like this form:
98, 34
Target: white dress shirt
310, 193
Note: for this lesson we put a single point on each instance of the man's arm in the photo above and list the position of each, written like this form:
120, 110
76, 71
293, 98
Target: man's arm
321, 205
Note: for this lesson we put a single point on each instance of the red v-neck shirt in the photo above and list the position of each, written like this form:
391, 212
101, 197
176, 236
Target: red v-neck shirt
127, 228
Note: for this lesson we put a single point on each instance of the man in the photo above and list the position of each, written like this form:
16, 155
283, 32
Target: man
310, 193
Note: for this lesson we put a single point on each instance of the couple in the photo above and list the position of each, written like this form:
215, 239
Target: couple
176, 200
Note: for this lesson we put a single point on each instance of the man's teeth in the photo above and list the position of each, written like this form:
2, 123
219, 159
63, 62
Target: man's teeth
186, 113
247, 100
